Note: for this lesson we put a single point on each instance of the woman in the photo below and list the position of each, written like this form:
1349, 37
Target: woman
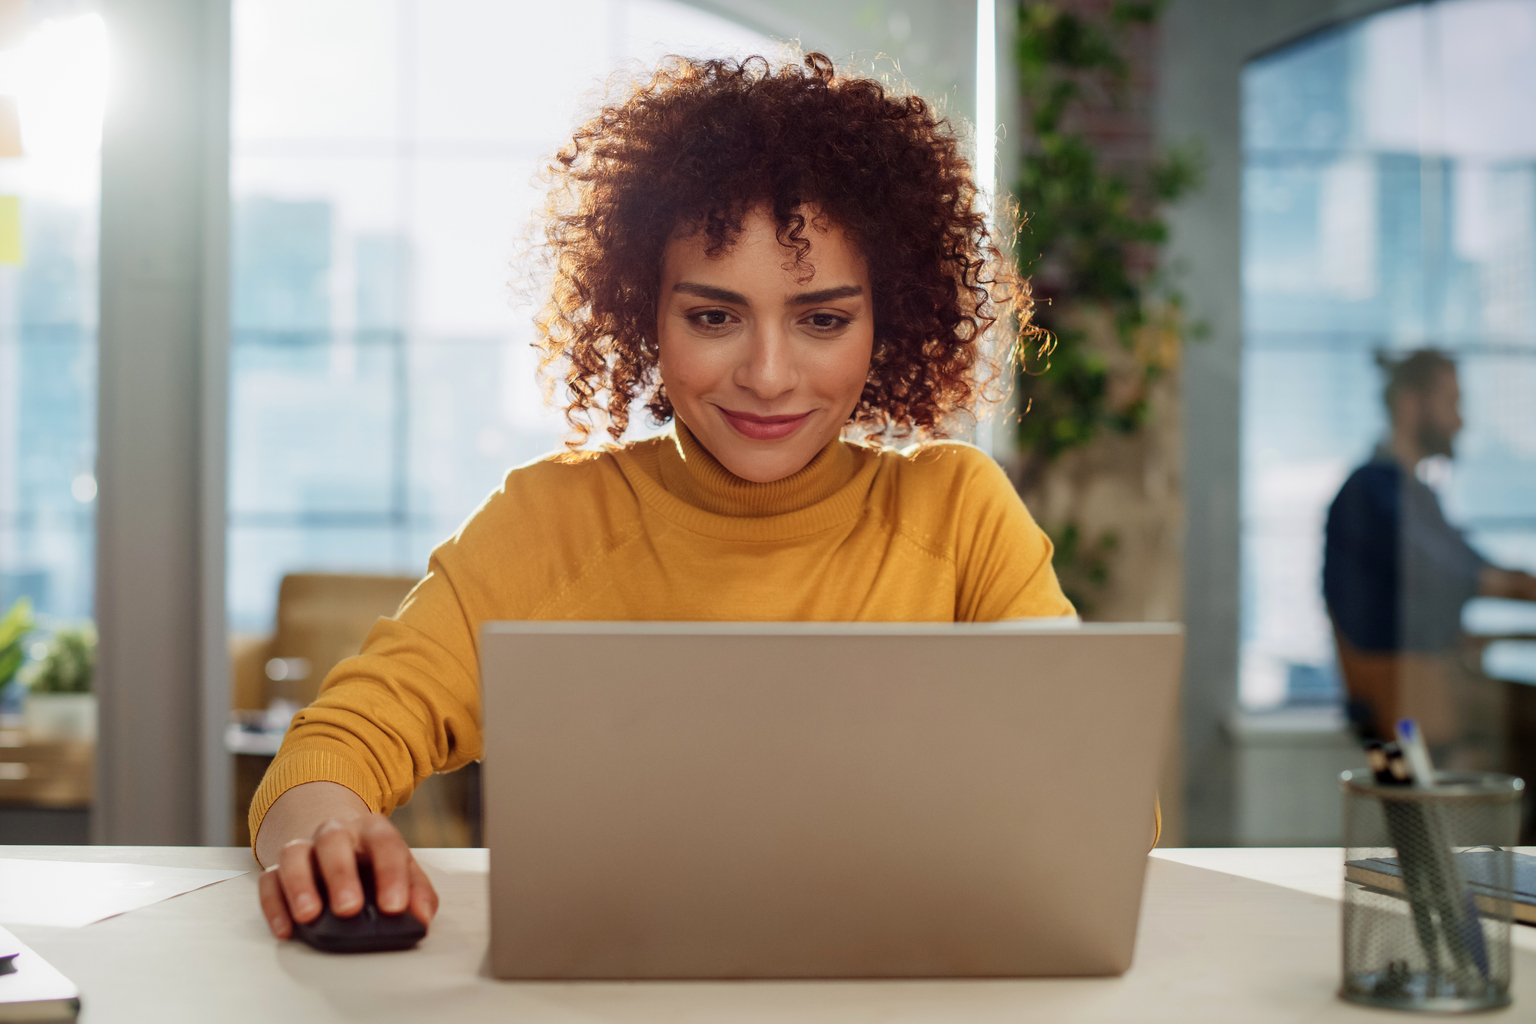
767, 257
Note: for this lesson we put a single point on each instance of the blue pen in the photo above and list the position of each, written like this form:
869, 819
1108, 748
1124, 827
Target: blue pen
1457, 907
1404, 823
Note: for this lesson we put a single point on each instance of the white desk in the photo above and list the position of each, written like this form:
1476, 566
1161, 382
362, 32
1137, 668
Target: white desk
1226, 935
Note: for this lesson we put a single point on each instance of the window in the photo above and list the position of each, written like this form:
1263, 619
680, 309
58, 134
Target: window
53, 85
383, 166
1389, 204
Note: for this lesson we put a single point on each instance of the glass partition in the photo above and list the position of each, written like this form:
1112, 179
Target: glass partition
1389, 205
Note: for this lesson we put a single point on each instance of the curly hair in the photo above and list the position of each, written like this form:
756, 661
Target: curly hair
702, 143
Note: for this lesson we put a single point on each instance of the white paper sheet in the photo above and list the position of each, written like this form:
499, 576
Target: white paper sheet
30, 988
73, 894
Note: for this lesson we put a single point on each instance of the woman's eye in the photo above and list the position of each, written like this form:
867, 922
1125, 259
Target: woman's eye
826, 321
712, 318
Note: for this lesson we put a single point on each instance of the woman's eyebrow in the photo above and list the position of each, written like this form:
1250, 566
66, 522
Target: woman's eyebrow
705, 291
825, 295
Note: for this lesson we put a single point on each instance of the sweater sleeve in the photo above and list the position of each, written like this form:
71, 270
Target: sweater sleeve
1003, 558
406, 707
409, 705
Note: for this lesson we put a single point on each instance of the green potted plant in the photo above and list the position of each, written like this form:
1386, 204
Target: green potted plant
1099, 454
60, 704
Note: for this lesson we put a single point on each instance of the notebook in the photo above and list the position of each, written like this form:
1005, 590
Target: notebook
1477, 867
30, 989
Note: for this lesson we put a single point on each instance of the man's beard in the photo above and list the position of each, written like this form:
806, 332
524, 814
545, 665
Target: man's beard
1435, 441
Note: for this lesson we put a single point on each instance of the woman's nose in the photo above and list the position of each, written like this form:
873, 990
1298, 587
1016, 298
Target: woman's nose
768, 368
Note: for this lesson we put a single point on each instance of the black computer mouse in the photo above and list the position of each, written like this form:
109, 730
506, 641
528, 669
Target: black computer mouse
367, 931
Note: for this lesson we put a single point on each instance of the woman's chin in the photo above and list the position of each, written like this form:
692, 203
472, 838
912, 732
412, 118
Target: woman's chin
760, 461
766, 465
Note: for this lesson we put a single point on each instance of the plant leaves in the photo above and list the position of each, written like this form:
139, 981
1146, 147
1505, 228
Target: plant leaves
17, 622
1093, 230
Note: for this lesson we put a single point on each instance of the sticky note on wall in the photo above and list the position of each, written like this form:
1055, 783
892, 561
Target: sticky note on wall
10, 230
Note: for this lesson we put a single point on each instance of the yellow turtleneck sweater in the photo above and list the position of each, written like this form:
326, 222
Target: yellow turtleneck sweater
659, 529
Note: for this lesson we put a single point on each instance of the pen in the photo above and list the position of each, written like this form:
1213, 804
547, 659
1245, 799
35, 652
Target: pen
1404, 822
1453, 899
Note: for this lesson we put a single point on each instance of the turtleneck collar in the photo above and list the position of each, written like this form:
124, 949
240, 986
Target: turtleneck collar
690, 473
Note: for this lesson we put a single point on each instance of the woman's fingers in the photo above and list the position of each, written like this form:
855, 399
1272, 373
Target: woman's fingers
336, 850
423, 896
290, 894
273, 907
400, 883
391, 863
296, 873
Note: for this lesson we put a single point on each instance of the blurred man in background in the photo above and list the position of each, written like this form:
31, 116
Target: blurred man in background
1396, 575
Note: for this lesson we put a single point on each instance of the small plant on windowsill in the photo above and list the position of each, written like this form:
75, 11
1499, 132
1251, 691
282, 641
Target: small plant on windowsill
60, 704
1111, 325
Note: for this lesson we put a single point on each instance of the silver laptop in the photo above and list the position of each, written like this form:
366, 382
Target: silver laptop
791, 800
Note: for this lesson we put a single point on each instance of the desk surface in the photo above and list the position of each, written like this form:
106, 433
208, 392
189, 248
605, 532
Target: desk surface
1226, 935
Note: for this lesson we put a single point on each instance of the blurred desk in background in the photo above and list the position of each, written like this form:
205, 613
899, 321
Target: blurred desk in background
45, 789
1499, 638
1501, 635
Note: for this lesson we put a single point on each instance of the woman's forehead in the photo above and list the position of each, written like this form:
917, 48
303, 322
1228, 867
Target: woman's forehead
761, 248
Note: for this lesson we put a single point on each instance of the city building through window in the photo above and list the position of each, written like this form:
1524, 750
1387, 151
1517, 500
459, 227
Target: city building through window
53, 77
384, 169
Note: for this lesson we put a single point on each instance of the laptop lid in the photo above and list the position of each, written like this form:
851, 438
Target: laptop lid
787, 800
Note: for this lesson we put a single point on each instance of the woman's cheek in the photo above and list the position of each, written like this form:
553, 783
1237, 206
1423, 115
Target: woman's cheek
686, 375
678, 372
705, 367
851, 370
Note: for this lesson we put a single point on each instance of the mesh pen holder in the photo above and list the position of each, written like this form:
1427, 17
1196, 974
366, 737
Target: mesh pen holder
1428, 874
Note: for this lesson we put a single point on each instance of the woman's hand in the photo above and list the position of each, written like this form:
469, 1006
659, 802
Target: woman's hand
328, 828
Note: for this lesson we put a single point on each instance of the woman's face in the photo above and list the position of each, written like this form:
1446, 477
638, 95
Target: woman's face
763, 360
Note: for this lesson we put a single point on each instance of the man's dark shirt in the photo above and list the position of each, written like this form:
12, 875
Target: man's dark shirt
1395, 573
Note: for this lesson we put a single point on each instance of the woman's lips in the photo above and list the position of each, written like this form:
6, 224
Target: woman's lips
763, 428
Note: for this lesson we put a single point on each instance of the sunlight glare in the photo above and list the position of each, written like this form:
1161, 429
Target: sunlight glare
58, 74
